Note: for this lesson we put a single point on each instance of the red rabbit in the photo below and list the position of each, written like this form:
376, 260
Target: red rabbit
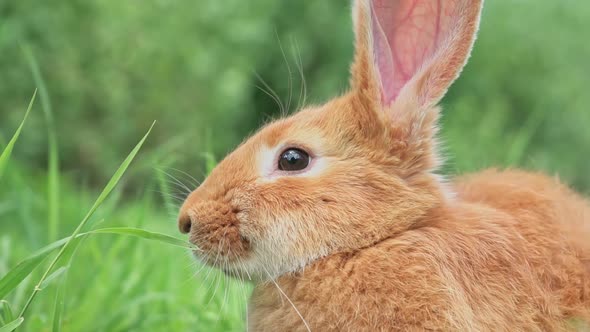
338, 215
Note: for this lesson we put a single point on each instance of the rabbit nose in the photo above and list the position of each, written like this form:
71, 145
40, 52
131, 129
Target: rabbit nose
184, 223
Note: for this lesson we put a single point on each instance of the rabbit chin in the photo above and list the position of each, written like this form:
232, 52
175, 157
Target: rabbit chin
259, 267
280, 251
267, 263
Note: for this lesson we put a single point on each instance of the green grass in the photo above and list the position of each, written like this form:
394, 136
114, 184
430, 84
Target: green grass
111, 273
52, 148
7, 151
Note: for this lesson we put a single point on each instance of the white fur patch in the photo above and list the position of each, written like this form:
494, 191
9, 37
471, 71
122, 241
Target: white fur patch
277, 254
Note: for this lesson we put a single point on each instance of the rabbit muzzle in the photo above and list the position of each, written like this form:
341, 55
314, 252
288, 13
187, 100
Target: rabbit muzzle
214, 228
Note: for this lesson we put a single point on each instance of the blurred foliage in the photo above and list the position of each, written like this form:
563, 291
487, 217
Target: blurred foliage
112, 67
523, 99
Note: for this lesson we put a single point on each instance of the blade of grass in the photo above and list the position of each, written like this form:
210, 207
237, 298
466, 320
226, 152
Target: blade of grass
523, 139
103, 195
56, 274
59, 305
17, 274
107, 324
53, 157
210, 162
12, 325
152, 236
7, 315
8, 150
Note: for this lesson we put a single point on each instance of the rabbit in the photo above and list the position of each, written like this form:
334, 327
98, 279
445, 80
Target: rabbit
338, 216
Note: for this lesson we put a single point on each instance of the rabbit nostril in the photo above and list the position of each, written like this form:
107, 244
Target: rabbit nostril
184, 223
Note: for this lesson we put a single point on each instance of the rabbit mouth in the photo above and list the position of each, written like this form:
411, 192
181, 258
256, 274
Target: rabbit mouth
219, 248
231, 265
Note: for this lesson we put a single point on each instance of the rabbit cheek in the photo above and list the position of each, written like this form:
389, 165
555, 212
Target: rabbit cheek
216, 231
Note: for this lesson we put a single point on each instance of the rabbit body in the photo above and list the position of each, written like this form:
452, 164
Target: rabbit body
511, 253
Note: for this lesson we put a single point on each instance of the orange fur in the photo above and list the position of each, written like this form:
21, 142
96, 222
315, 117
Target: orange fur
368, 237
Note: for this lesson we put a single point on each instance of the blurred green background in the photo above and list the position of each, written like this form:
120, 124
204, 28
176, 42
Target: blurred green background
112, 67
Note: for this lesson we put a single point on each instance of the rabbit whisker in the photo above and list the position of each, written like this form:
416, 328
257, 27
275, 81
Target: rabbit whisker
299, 63
176, 181
193, 180
270, 92
219, 248
289, 73
288, 299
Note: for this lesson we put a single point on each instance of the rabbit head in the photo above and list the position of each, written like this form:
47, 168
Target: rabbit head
349, 173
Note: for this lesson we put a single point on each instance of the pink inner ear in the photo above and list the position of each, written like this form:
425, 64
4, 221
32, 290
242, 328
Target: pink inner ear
406, 35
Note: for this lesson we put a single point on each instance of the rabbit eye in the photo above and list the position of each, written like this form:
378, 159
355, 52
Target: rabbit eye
293, 160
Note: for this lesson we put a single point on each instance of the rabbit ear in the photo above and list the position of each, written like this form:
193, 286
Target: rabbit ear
412, 48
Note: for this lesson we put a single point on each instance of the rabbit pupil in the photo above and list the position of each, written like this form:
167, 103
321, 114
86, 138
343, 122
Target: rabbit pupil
293, 160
